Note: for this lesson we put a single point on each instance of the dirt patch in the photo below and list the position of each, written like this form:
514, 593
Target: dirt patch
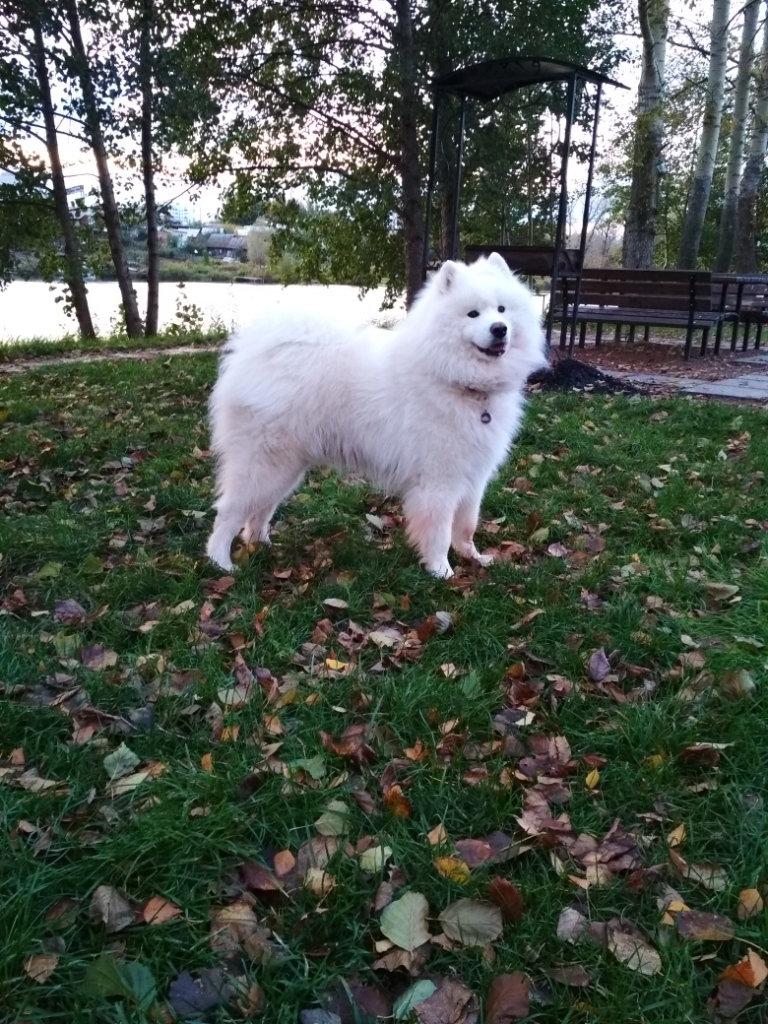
573, 375
663, 358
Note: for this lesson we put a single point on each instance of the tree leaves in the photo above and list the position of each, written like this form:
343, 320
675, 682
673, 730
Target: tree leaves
107, 976
111, 909
472, 922
631, 947
404, 922
508, 999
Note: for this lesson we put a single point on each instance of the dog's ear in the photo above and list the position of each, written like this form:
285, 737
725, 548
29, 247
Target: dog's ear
498, 263
446, 275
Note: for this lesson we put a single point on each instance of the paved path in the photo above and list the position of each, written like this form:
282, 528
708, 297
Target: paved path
753, 386
24, 365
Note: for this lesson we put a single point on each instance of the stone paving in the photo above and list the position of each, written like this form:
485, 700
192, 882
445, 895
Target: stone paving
752, 385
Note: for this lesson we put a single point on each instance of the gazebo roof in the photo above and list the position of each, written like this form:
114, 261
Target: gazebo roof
494, 78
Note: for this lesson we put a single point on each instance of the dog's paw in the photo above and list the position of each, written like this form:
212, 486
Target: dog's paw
441, 570
483, 559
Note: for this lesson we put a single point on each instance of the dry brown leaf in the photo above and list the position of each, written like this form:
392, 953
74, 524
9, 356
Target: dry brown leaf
508, 999
319, 882
571, 974
472, 922
571, 925
40, 966
450, 1003
159, 910
632, 948
507, 897
703, 927
111, 909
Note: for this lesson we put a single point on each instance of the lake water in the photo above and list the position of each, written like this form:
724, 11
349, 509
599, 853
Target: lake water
28, 309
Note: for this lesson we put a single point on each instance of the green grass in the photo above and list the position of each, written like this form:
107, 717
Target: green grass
105, 494
72, 345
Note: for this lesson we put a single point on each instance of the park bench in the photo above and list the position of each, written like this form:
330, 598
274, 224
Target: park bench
640, 298
746, 295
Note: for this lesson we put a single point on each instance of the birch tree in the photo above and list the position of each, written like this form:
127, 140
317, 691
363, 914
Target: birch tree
737, 136
640, 224
746, 254
690, 238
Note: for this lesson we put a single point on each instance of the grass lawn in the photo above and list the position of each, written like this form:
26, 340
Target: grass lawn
262, 795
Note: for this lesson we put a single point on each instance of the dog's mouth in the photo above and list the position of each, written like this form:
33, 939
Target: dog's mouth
495, 349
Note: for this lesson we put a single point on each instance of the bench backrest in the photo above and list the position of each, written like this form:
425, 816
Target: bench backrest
643, 289
754, 294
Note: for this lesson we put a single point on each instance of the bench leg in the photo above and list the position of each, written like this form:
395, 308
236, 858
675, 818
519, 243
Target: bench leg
599, 335
688, 343
704, 339
745, 340
647, 334
617, 335
718, 337
734, 335
631, 338
563, 330
758, 334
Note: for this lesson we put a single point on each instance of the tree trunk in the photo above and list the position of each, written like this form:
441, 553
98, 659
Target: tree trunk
133, 323
73, 274
701, 186
737, 137
746, 254
410, 171
147, 164
640, 226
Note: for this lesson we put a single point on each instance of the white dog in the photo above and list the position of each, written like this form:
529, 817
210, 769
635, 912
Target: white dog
427, 410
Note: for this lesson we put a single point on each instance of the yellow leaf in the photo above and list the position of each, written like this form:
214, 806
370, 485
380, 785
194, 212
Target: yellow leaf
676, 836
453, 868
335, 665
592, 779
655, 760
750, 904
206, 762
230, 733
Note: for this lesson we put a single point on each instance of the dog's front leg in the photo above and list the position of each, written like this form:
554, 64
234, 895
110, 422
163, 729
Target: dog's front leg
464, 526
428, 518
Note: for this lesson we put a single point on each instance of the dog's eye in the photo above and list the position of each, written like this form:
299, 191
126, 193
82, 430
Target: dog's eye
473, 313
501, 309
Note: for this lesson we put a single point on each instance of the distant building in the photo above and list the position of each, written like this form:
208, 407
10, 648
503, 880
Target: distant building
219, 245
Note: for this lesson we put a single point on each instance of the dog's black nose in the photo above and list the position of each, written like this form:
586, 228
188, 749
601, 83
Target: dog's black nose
498, 330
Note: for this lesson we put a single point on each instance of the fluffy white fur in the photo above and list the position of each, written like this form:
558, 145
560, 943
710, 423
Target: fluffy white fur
402, 408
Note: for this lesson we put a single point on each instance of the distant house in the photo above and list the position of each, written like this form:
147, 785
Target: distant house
220, 245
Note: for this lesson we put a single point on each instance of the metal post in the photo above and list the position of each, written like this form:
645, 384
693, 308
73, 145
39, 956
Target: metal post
430, 184
562, 212
457, 183
585, 221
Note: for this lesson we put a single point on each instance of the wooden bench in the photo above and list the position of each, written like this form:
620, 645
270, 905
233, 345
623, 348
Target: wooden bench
746, 295
645, 298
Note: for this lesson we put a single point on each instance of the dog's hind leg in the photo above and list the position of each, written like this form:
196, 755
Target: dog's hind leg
276, 487
428, 518
251, 490
464, 526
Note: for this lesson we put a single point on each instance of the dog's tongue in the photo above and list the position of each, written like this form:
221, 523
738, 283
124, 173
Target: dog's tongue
496, 348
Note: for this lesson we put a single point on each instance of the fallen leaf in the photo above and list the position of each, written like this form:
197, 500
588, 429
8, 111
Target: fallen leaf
417, 993
750, 904
404, 922
374, 858
159, 910
703, 927
335, 819
96, 657
107, 976
318, 882
111, 909
507, 897
397, 802
453, 869
127, 784
194, 995
451, 1003
472, 922
632, 948
720, 592
737, 685
751, 970
676, 836
508, 999
120, 762
599, 667
592, 779
574, 975
40, 966
69, 612
206, 762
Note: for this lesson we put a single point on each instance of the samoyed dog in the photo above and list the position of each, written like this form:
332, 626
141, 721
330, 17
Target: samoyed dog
427, 411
